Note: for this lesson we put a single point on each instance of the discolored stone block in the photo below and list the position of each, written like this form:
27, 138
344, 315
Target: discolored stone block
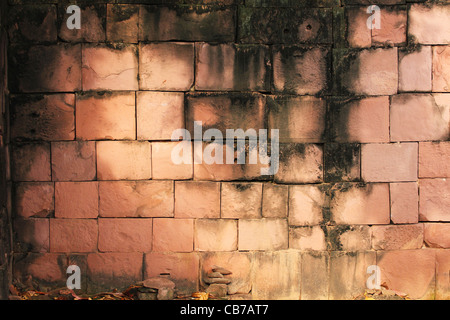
136, 199
307, 205
263, 234
314, 275
31, 235
187, 23
233, 67
215, 235
414, 70
30, 162
397, 237
392, 27
275, 201
34, 199
358, 35
428, 24
63, 232
284, 25
197, 199
298, 119
299, 70
76, 200
93, 23
45, 68
73, 160
307, 238
35, 23
342, 162
349, 238
122, 23
241, 200
441, 62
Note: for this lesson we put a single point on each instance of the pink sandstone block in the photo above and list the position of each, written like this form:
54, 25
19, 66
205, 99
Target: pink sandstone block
197, 199
404, 202
173, 235
76, 200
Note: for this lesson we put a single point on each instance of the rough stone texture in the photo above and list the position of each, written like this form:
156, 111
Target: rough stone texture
124, 160
442, 274
404, 202
364, 120
197, 199
380, 162
40, 68
76, 200
32, 23
433, 159
215, 235
158, 114
441, 61
300, 163
232, 67
241, 200
307, 238
353, 203
275, 201
298, 119
414, 70
298, 70
393, 27
427, 24
437, 235
73, 235
397, 237
306, 205
34, 199
276, 275
43, 117
349, 238
359, 36
106, 116
263, 234
124, 235
409, 271
136, 199
164, 166
122, 23
31, 162
110, 67
31, 235
314, 281
166, 66
173, 235
434, 199
73, 161
342, 162
418, 117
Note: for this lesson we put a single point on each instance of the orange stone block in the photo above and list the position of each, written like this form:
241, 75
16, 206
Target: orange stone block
124, 235
76, 200
73, 161
197, 199
73, 235
173, 235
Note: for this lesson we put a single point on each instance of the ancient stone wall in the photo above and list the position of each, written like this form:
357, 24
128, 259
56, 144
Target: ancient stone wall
364, 154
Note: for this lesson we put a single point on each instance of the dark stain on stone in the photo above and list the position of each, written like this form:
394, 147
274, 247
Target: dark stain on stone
241, 187
123, 12
287, 150
334, 234
339, 159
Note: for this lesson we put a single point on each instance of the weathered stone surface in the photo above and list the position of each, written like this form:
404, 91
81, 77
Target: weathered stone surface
392, 27
30, 162
64, 231
76, 200
122, 23
404, 202
353, 203
428, 24
263, 234
418, 117
414, 70
365, 72
275, 201
94, 24
45, 68
276, 275
441, 62
434, 200
43, 117
187, 23
222, 280
157, 283
34, 199
284, 25
73, 161
241, 200
165, 294
307, 238
197, 199
298, 119
158, 114
306, 205
181, 268
166, 66
164, 166
110, 67
364, 120
136, 198
380, 162
358, 35
124, 160
232, 67
349, 238
173, 235
348, 273
124, 235
217, 290
113, 270
215, 235
31, 235
442, 274
300, 163
342, 162
409, 271
221, 270
314, 275
433, 159
397, 237
437, 235
32, 23
299, 70
106, 116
